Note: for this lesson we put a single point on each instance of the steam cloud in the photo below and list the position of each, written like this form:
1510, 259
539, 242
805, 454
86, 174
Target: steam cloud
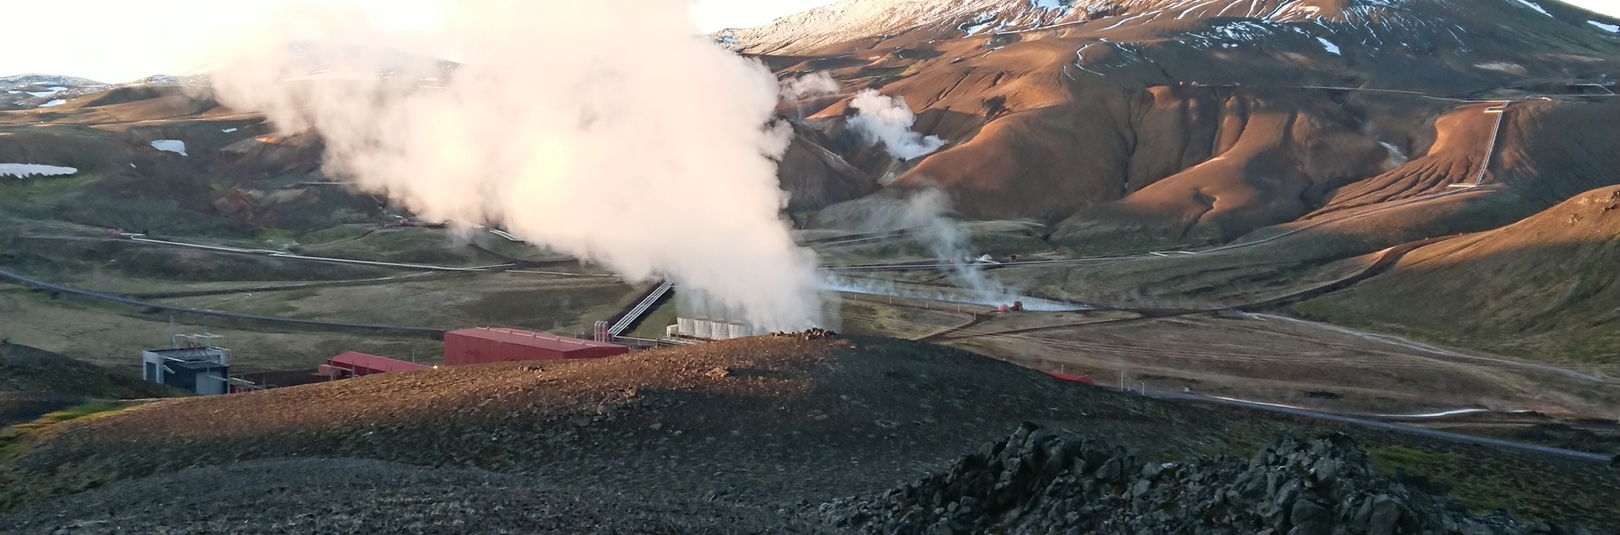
925, 214
886, 120
819, 84
609, 129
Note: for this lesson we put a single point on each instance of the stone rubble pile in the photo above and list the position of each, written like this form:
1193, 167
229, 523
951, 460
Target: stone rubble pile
1038, 482
814, 333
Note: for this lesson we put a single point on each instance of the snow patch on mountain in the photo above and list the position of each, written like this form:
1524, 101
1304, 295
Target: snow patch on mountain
1329, 46
973, 28
171, 145
852, 20
33, 81
25, 170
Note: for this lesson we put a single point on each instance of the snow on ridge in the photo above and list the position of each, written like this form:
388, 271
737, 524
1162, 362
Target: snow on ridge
1231, 34
1535, 6
972, 29
47, 92
857, 19
170, 145
1374, 23
1605, 27
25, 170
53, 103
1291, 11
21, 81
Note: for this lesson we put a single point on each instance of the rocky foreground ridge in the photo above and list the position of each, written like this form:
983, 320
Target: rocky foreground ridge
1039, 482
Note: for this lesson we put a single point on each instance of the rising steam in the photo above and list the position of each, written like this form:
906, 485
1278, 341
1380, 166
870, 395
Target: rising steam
819, 84
608, 129
925, 215
886, 120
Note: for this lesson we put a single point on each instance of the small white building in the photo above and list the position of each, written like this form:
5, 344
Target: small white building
703, 317
709, 329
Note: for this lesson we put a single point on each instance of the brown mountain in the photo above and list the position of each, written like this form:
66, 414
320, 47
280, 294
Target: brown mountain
1133, 124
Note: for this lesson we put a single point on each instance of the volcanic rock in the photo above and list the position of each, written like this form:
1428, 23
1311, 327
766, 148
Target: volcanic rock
1039, 482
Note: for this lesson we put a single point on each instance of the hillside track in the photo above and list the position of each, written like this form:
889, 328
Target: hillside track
1448, 354
413, 277
1577, 456
1286, 231
1386, 258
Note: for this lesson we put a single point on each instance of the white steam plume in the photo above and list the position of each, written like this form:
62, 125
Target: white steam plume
610, 129
819, 84
886, 120
924, 215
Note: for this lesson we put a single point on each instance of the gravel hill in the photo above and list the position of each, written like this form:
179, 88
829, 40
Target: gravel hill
757, 430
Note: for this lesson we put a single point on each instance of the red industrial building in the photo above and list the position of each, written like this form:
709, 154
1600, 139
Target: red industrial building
354, 364
485, 345
1073, 378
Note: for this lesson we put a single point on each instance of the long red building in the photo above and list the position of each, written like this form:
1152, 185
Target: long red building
354, 364
484, 345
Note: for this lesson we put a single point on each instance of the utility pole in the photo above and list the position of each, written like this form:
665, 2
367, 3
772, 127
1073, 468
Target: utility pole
1122, 380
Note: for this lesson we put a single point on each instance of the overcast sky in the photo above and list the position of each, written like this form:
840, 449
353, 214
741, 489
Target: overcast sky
122, 40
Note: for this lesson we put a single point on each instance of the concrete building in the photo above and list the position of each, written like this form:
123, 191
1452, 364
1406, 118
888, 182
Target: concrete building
205, 370
704, 318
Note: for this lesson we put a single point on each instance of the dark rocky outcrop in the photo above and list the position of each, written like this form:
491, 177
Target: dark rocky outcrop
1039, 482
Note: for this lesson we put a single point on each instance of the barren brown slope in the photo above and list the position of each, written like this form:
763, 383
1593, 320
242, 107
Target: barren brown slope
1544, 288
1543, 150
1164, 121
815, 177
1275, 160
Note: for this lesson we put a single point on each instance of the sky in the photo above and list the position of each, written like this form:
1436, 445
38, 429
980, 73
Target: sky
121, 40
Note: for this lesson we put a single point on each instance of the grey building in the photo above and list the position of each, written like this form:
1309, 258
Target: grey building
205, 370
